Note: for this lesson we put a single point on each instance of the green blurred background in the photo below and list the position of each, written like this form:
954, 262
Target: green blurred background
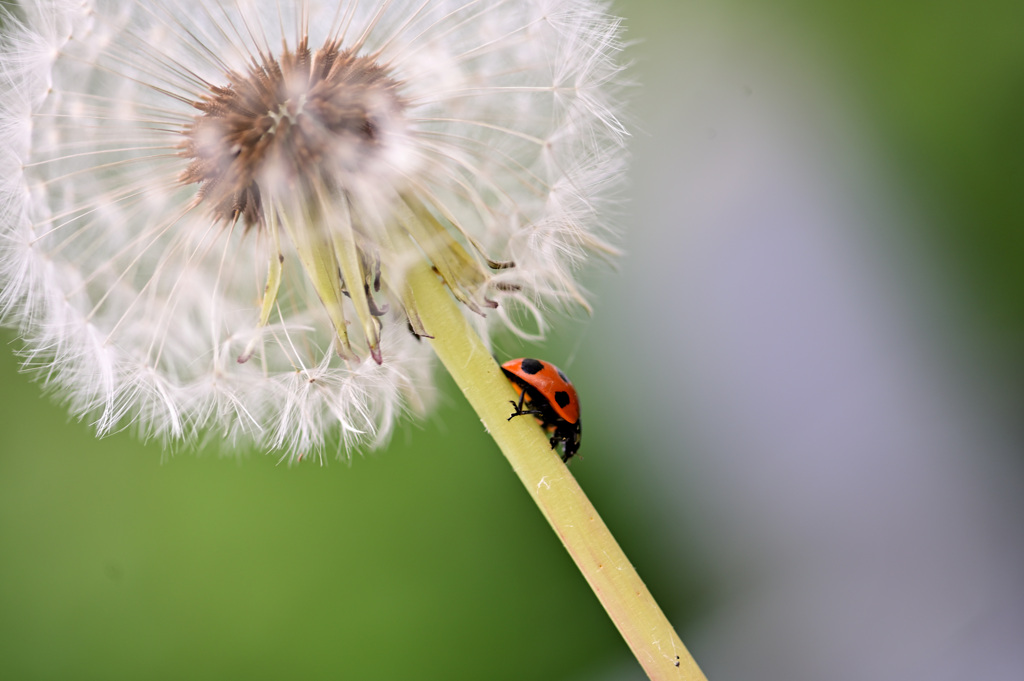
119, 560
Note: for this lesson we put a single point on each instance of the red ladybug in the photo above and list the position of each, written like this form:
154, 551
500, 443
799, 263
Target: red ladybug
549, 396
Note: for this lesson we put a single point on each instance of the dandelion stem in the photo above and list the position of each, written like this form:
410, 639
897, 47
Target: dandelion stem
632, 608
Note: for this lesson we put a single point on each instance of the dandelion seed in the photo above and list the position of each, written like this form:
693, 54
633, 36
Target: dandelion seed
208, 208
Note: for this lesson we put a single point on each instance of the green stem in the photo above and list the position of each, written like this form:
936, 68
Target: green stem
639, 619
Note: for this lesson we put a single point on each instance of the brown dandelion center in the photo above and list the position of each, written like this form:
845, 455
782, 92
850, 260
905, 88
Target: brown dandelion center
305, 120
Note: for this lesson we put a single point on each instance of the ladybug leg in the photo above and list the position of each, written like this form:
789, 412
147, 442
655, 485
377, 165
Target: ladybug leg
519, 408
517, 405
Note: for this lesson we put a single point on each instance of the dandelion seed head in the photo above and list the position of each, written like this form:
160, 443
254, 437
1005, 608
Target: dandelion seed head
207, 209
299, 122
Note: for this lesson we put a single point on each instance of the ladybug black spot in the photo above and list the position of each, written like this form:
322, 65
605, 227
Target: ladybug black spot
531, 366
562, 376
562, 398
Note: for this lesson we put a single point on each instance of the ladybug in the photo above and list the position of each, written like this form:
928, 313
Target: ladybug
548, 395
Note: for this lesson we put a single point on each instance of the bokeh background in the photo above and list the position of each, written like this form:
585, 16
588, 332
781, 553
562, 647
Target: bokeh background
802, 392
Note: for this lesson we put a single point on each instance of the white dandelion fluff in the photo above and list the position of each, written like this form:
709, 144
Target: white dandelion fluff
207, 208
